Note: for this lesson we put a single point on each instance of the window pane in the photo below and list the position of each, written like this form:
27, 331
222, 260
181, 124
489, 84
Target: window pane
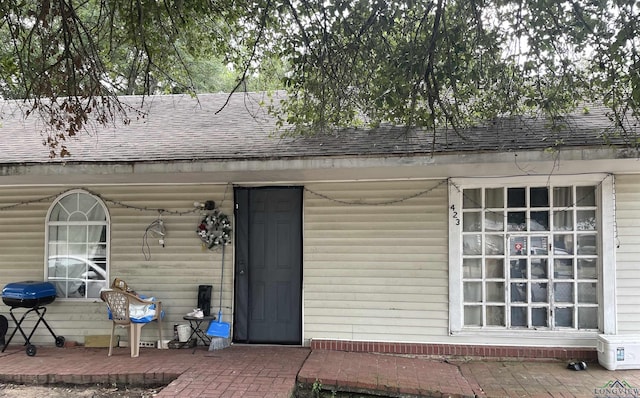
539, 268
518, 245
587, 268
493, 221
563, 245
494, 267
471, 244
77, 233
494, 244
472, 268
58, 249
539, 245
586, 220
563, 292
563, 220
519, 317
86, 203
540, 317
564, 317
587, 244
472, 292
518, 269
96, 214
96, 233
77, 249
539, 293
77, 217
471, 222
494, 197
519, 293
585, 196
495, 291
516, 197
539, 221
516, 221
98, 252
472, 198
563, 269
539, 197
495, 316
588, 318
472, 315
100, 259
58, 233
58, 213
587, 293
70, 202
562, 197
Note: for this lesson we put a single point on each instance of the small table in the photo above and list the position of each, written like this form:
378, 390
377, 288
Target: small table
196, 330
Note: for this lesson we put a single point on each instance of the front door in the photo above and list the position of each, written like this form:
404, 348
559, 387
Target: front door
268, 266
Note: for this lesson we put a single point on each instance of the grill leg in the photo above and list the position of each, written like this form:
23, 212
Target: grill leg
17, 328
40, 319
41, 311
44, 322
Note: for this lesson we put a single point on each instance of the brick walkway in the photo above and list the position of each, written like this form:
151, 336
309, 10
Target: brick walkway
548, 379
238, 371
389, 374
404, 376
267, 371
241, 371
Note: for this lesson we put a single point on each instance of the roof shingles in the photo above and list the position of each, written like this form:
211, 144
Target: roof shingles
179, 128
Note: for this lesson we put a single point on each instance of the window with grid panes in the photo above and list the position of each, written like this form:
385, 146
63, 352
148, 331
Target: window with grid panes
77, 245
529, 257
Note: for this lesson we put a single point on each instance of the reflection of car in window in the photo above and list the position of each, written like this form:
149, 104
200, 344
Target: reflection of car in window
76, 276
541, 251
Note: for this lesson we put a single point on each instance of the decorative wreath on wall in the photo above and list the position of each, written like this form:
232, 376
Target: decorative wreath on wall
214, 229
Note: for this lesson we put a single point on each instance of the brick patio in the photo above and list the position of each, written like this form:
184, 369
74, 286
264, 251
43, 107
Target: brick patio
274, 371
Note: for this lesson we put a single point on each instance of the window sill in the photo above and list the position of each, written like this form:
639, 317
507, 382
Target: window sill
527, 333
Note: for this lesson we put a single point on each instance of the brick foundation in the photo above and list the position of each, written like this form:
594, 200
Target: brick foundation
584, 354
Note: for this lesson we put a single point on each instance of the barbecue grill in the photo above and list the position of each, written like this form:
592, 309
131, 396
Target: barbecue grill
34, 296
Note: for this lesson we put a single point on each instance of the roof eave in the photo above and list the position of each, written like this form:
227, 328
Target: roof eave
326, 168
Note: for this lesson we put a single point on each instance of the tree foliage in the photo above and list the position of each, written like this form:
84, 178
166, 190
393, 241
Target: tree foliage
425, 63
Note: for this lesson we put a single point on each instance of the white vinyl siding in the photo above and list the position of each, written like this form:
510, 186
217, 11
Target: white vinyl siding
172, 274
627, 191
375, 271
372, 271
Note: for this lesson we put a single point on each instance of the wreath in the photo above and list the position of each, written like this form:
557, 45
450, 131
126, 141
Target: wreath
214, 229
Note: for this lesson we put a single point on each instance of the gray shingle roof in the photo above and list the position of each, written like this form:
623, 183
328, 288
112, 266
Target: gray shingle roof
179, 127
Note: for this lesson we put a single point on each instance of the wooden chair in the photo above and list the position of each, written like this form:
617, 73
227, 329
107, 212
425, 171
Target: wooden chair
119, 303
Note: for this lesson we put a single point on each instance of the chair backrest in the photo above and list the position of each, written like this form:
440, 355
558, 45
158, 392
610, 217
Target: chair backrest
118, 303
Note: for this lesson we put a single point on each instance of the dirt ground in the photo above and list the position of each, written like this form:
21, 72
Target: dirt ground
76, 391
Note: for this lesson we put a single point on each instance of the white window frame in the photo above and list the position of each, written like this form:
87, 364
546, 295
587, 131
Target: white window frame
106, 224
605, 203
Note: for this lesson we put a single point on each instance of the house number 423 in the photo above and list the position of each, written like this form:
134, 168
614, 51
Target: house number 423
454, 215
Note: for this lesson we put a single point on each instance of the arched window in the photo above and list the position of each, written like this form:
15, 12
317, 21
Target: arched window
77, 245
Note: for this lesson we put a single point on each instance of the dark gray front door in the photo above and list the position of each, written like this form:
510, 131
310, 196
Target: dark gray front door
268, 269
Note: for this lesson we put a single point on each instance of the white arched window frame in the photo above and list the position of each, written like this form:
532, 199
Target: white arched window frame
77, 245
